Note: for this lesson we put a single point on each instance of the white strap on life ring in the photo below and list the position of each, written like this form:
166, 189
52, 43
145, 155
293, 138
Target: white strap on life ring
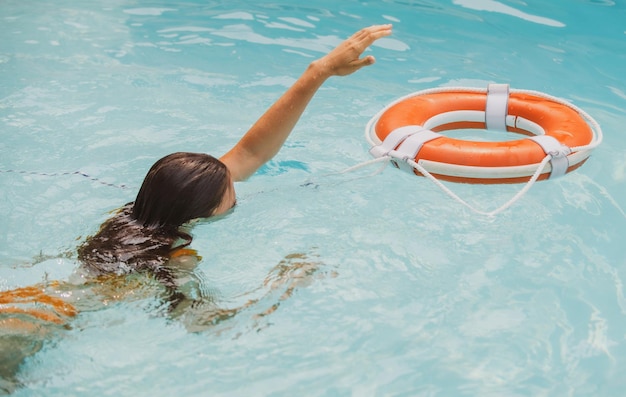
497, 106
410, 147
557, 152
395, 138
403, 144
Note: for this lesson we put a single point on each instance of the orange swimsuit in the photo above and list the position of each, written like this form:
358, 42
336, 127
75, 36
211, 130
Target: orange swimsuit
20, 304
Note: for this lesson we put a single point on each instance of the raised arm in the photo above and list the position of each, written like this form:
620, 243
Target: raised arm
267, 135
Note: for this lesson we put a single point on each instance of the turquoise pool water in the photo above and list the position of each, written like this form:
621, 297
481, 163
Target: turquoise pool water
414, 294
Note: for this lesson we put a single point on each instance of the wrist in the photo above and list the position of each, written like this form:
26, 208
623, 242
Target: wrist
319, 69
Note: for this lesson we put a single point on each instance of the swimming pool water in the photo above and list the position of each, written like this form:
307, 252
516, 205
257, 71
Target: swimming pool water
414, 294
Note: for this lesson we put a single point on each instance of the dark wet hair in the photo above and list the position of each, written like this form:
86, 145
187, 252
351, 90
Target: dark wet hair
142, 235
180, 187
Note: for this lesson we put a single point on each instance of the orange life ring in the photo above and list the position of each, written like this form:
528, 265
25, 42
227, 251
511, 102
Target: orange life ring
524, 112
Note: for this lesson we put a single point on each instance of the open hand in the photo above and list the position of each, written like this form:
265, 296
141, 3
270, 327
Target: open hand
346, 57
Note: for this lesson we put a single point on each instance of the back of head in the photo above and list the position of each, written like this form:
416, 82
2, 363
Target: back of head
180, 187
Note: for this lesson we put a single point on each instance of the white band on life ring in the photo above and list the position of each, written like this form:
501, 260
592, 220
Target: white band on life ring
410, 147
557, 152
497, 106
395, 138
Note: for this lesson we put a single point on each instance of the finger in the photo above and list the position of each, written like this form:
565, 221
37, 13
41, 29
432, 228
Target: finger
377, 28
366, 61
376, 31
386, 28
365, 37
